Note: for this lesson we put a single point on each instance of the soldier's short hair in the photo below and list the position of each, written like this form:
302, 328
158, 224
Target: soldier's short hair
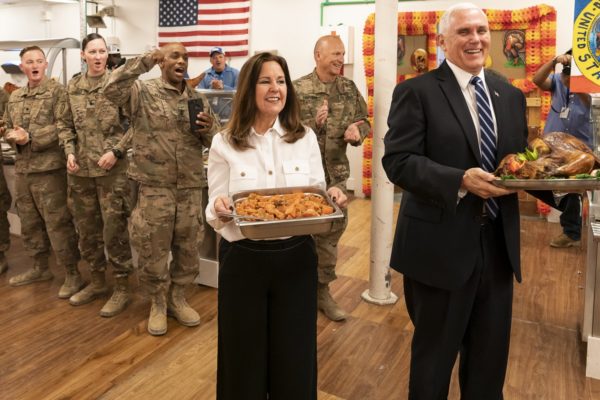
89, 38
31, 48
168, 44
323, 39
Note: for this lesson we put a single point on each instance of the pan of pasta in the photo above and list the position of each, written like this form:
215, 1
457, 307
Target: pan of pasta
283, 212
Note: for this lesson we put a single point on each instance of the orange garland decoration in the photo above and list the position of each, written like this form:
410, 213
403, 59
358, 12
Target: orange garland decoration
538, 22
542, 208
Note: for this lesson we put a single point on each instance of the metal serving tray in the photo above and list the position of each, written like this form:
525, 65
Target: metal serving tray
562, 184
287, 227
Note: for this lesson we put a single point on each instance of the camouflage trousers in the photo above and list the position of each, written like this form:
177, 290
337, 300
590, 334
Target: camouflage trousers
45, 217
166, 219
100, 209
5, 202
327, 249
207, 238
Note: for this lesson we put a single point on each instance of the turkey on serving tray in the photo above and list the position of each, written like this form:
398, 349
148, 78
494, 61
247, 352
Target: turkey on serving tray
559, 155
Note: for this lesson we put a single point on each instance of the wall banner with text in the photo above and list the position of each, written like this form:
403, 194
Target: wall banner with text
585, 66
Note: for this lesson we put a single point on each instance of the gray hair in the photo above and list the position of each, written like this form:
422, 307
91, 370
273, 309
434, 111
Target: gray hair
445, 19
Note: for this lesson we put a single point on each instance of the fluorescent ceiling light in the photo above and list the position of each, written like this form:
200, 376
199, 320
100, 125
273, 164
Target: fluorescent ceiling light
62, 1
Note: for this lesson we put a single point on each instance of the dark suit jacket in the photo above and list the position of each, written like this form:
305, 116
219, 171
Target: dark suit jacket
430, 143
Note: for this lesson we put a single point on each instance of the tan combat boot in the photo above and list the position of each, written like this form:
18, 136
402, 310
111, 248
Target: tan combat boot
73, 283
39, 272
179, 308
96, 288
157, 321
3, 263
119, 299
563, 241
326, 304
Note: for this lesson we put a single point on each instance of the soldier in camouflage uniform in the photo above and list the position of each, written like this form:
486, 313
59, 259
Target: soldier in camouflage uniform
334, 108
93, 140
5, 198
41, 177
167, 164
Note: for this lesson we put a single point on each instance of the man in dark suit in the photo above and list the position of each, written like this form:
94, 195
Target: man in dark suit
457, 254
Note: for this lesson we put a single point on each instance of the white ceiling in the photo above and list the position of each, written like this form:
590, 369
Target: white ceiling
4, 3
25, 2
8, 3
18, 2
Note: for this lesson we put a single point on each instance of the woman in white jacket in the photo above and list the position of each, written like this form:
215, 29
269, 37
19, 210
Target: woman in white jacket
267, 288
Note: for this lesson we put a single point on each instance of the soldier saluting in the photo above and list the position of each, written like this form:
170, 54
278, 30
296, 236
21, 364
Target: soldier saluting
167, 164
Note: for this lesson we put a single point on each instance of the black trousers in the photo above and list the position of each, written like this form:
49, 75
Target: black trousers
267, 320
473, 321
570, 219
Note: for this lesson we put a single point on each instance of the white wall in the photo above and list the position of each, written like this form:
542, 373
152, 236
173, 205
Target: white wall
289, 26
25, 22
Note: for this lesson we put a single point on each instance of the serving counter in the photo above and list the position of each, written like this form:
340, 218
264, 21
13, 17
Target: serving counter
590, 332
221, 102
209, 265
208, 273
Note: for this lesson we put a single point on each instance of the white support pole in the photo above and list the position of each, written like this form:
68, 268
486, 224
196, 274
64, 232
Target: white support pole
382, 190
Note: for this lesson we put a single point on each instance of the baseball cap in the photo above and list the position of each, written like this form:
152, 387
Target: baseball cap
113, 49
216, 50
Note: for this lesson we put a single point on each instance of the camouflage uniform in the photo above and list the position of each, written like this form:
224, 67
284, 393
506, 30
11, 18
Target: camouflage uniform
5, 198
100, 199
167, 164
346, 106
4, 96
5, 203
41, 178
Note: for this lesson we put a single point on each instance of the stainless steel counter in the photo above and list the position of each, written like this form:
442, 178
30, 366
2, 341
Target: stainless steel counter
591, 315
590, 332
209, 251
208, 270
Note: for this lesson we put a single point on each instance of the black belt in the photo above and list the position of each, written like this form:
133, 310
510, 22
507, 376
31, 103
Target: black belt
276, 244
485, 219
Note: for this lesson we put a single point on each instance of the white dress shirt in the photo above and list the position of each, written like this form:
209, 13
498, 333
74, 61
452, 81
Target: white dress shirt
271, 163
468, 91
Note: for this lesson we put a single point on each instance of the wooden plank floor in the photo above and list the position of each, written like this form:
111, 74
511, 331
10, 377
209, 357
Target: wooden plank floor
51, 350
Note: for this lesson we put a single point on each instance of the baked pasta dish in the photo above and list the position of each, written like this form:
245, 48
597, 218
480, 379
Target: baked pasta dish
283, 206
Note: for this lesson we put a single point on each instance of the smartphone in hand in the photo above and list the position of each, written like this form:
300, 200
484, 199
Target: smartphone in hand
195, 106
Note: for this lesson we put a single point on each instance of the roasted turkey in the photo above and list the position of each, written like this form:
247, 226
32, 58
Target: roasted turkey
559, 154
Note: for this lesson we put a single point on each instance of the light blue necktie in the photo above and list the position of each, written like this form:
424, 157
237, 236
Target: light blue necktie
487, 137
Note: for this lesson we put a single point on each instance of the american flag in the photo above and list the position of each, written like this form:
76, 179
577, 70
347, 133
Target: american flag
203, 24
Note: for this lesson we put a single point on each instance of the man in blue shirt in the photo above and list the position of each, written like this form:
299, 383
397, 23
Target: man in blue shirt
570, 113
220, 75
